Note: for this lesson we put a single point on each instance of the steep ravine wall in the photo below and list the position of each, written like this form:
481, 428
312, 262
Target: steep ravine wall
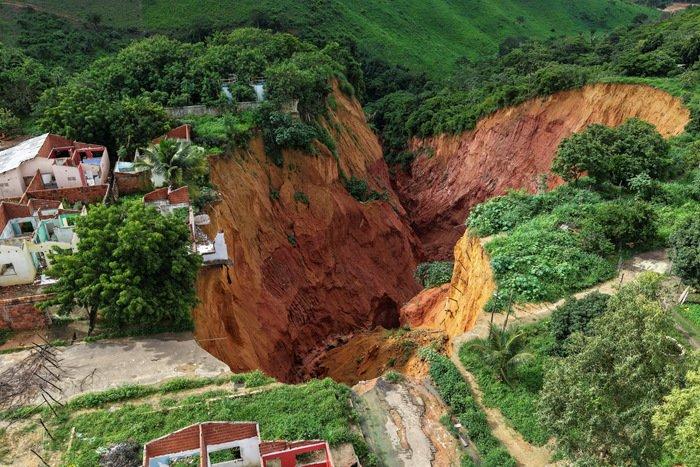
454, 307
303, 274
510, 149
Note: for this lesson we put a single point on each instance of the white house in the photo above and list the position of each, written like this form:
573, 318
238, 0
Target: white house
29, 232
60, 162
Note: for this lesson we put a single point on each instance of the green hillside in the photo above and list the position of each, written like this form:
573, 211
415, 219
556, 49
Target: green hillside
425, 35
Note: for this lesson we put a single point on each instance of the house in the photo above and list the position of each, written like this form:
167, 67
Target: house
29, 232
177, 201
126, 173
233, 444
50, 162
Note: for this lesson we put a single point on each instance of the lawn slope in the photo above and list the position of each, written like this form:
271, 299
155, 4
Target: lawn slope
425, 35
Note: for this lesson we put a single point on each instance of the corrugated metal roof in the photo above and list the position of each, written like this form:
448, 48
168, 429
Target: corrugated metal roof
12, 158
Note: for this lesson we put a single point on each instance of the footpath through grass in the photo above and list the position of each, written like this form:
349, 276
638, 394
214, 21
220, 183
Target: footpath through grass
516, 401
457, 394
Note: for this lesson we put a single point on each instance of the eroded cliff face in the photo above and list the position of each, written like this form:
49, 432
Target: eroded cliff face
454, 307
303, 274
510, 149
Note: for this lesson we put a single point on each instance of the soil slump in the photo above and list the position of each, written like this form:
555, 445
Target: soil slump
303, 272
310, 281
511, 149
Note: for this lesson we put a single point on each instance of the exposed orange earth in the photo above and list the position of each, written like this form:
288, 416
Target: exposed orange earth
510, 149
301, 273
310, 284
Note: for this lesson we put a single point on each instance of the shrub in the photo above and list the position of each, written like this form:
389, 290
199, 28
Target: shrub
359, 190
393, 377
685, 252
558, 77
613, 155
575, 316
623, 223
502, 213
434, 274
655, 63
9, 124
301, 197
542, 261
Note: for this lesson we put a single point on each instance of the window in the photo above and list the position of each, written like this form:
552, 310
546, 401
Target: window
71, 179
225, 455
26, 227
7, 270
4, 185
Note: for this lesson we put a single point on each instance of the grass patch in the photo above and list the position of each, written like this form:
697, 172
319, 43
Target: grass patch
318, 409
692, 313
457, 394
517, 401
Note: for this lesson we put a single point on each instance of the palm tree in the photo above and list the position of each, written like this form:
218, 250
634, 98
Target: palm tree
174, 160
503, 350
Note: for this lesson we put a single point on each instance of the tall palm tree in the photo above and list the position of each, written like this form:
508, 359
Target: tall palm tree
174, 160
503, 350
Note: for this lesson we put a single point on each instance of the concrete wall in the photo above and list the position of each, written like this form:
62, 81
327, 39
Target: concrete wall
42, 164
67, 177
21, 260
250, 452
11, 184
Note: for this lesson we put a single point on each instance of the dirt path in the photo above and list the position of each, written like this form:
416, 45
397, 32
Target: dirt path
523, 452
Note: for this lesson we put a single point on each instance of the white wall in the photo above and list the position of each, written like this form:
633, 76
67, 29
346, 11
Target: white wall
20, 258
46, 248
29, 168
15, 184
104, 167
62, 174
250, 452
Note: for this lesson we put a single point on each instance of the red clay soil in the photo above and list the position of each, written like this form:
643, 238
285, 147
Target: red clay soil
510, 149
301, 273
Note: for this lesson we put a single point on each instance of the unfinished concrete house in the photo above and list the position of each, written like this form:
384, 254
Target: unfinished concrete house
29, 232
52, 167
232, 444
176, 201
130, 178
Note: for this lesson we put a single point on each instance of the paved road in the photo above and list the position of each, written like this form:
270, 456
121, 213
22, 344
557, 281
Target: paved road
110, 363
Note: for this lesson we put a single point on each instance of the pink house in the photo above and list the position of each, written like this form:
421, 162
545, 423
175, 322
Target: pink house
58, 162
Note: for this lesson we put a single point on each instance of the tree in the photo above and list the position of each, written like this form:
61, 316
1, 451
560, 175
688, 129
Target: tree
9, 124
504, 351
622, 223
613, 155
598, 401
677, 421
133, 267
22, 80
576, 316
685, 252
85, 113
654, 63
177, 161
